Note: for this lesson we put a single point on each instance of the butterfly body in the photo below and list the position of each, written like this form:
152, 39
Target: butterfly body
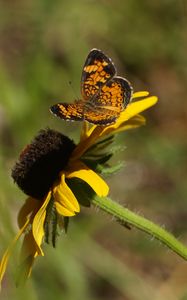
104, 94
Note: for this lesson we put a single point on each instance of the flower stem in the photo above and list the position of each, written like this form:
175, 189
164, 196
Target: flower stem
125, 216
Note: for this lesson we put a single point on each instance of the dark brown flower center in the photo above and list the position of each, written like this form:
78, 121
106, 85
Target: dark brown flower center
41, 161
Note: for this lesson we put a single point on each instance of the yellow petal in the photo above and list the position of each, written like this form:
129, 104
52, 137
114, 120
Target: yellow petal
29, 246
140, 94
84, 130
134, 122
30, 206
83, 146
90, 130
65, 201
25, 270
9, 250
29, 252
137, 107
63, 211
81, 171
38, 224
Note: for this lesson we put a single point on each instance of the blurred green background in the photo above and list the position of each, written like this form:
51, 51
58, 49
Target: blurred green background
43, 46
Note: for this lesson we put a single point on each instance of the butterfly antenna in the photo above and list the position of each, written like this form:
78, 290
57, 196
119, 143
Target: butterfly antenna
73, 90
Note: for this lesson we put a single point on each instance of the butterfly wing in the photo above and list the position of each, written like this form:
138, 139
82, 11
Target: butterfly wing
98, 69
111, 99
102, 116
71, 112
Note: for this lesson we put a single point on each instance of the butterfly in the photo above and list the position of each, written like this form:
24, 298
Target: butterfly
104, 94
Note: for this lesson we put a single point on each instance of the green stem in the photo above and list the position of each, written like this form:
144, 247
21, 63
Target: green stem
125, 216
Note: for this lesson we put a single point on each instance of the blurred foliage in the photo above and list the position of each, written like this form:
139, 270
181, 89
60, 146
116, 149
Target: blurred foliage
43, 45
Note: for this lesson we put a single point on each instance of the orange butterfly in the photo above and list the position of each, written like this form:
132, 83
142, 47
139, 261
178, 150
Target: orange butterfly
104, 95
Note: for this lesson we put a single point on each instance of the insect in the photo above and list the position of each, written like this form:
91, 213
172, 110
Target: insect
104, 94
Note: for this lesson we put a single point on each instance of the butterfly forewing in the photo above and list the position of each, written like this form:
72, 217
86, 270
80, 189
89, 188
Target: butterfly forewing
72, 112
97, 70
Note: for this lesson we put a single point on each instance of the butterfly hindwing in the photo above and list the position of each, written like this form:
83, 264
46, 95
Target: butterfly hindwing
110, 101
115, 94
103, 117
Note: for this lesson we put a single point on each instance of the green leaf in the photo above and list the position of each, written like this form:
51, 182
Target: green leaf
108, 170
66, 224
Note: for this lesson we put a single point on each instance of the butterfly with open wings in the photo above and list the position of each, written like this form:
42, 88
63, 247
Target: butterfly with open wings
104, 94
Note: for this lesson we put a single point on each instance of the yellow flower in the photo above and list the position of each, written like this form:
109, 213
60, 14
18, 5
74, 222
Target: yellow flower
32, 218
43, 171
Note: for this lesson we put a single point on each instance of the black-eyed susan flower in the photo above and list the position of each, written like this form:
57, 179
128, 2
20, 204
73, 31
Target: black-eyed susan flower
51, 170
